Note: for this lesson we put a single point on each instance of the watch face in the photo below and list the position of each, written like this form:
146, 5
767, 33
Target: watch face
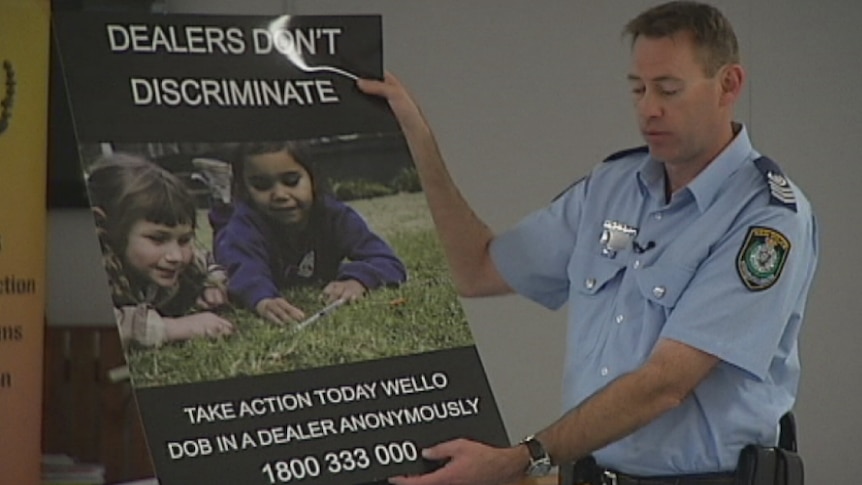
539, 468
540, 461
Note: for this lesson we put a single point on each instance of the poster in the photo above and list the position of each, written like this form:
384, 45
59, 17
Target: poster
24, 37
273, 171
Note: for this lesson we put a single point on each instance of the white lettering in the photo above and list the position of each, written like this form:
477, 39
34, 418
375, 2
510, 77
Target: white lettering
189, 448
118, 39
231, 92
210, 412
296, 41
142, 93
415, 384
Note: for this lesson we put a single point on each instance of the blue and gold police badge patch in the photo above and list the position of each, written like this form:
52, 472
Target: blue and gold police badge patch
761, 257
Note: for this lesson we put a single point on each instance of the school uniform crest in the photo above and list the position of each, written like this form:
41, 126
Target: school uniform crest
761, 257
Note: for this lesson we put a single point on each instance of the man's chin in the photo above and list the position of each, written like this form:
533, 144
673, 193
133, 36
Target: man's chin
661, 153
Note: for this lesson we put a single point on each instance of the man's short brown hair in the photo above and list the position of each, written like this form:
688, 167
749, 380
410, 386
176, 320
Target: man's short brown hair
711, 31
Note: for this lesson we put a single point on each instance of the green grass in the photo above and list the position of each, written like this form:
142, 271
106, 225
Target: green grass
422, 315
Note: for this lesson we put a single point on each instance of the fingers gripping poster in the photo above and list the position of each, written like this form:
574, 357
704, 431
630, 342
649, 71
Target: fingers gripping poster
285, 308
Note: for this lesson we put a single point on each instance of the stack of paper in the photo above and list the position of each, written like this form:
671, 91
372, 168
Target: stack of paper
63, 470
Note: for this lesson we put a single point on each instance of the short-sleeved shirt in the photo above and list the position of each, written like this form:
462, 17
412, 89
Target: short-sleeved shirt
724, 266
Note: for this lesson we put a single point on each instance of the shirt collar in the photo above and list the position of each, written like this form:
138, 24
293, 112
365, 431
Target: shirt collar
705, 187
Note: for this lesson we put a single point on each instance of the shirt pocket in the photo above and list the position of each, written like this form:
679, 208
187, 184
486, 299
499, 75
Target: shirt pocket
592, 274
663, 284
594, 287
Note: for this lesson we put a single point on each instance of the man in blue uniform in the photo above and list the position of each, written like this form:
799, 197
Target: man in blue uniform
686, 263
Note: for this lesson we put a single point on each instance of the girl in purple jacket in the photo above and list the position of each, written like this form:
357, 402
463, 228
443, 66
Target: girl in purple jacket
283, 231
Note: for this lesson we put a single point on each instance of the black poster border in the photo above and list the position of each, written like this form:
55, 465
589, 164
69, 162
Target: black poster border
462, 407
446, 393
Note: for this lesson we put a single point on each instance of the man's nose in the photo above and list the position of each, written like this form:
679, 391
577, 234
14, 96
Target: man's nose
649, 105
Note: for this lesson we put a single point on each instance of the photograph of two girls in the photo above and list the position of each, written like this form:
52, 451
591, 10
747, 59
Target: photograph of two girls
234, 259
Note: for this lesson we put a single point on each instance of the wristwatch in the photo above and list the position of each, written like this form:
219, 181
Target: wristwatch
540, 461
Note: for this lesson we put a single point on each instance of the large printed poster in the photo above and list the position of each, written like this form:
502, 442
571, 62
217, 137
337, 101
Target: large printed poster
285, 308
23, 119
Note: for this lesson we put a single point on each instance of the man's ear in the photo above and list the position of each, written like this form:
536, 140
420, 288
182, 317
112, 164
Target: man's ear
732, 77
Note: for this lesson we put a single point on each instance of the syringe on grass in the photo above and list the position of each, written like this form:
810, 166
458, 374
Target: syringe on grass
322, 313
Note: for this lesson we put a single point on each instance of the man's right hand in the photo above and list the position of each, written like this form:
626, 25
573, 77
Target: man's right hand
278, 310
405, 109
470, 463
465, 237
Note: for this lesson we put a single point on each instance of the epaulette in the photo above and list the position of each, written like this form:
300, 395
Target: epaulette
576, 182
626, 152
780, 191
612, 157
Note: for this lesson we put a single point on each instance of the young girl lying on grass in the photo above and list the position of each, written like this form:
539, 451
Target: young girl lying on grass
283, 231
145, 220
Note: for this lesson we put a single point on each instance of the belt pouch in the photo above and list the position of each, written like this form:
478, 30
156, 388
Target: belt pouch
582, 472
757, 466
789, 469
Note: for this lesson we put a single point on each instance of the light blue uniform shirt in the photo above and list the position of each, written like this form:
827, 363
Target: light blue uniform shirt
693, 276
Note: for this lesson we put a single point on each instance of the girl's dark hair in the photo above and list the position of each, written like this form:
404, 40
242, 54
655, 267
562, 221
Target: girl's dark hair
125, 188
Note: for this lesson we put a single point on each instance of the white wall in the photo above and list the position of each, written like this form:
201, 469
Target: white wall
526, 96
806, 69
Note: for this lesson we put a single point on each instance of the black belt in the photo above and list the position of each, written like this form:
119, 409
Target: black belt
614, 478
587, 472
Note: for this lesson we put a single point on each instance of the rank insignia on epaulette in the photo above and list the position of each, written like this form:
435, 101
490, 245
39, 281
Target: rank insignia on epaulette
780, 188
761, 257
780, 191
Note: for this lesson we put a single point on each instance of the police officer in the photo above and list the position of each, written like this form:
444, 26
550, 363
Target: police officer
686, 263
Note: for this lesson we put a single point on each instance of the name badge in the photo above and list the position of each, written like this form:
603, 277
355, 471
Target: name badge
616, 236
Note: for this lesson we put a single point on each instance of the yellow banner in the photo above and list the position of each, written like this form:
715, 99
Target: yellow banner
24, 36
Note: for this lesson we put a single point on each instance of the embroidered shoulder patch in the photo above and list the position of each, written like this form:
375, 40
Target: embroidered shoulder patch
761, 257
